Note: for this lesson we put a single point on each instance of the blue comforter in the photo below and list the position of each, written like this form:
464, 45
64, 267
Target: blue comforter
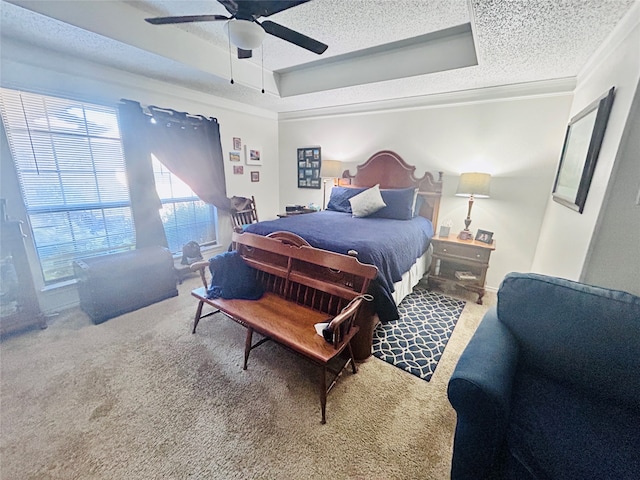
391, 245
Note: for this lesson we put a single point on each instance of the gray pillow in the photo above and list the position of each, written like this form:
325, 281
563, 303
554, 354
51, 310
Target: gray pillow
367, 202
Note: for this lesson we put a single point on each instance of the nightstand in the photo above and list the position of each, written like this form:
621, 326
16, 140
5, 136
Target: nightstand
296, 212
462, 263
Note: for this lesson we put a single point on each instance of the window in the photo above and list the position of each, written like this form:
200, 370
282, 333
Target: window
185, 217
69, 161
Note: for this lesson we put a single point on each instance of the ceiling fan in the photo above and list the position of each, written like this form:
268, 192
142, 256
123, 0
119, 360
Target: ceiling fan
243, 28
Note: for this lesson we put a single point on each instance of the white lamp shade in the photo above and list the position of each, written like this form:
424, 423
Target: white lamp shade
476, 184
330, 169
245, 34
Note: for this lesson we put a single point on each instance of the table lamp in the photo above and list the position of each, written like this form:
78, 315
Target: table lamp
329, 169
472, 185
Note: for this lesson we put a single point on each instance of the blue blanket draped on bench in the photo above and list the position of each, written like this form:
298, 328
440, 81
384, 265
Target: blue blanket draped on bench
232, 278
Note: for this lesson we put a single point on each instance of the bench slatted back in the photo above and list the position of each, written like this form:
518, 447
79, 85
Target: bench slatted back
319, 279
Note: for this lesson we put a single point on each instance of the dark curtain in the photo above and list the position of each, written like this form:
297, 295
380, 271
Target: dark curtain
145, 203
189, 146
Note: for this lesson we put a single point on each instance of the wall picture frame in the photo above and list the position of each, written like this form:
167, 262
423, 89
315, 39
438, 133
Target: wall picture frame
255, 176
238, 170
580, 151
484, 236
309, 161
234, 156
237, 143
252, 156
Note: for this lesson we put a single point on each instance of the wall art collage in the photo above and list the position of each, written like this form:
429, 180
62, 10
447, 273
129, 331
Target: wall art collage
252, 157
309, 161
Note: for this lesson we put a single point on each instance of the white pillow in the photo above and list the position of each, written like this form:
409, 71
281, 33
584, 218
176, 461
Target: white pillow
367, 202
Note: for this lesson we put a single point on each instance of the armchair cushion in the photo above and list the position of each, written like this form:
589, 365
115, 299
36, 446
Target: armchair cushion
556, 431
594, 345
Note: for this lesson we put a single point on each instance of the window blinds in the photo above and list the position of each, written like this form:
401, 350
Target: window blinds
70, 165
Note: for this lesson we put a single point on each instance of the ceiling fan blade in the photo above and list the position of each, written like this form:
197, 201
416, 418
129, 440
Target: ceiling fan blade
244, 53
253, 9
266, 8
294, 37
232, 6
185, 19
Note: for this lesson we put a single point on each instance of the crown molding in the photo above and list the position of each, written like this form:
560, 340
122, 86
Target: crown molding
619, 34
29, 68
546, 88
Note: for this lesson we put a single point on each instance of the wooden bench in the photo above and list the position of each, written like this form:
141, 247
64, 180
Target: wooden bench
303, 286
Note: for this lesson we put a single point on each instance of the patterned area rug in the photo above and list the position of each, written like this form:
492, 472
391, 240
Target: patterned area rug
416, 341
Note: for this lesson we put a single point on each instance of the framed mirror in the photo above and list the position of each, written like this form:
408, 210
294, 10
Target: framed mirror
580, 153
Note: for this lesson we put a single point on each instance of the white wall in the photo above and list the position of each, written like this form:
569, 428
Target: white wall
54, 74
517, 140
566, 235
614, 254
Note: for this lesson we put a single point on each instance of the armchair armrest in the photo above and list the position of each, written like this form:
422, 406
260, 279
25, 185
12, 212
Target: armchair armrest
480, 391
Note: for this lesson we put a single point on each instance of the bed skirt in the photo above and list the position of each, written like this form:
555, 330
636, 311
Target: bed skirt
368, 319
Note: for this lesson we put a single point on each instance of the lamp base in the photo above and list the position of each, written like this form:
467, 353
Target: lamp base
465, 235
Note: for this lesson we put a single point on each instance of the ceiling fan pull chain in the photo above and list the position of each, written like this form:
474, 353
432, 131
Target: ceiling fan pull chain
262, 51
230, 59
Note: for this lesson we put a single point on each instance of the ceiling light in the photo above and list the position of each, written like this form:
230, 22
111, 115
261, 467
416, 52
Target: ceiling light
244, 34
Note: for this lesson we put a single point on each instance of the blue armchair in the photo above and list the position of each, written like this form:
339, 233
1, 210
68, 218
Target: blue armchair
549, 385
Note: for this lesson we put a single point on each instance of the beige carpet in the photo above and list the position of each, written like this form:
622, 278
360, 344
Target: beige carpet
140, 397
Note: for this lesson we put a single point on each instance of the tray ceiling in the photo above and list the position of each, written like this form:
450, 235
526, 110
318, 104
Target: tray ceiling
375, 51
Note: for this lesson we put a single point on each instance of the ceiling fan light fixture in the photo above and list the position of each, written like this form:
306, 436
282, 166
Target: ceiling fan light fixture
245, 34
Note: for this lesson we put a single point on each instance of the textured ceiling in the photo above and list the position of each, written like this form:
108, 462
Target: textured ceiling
517, 41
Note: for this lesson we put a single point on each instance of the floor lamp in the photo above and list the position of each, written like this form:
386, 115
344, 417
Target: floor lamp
472, 185
329, 169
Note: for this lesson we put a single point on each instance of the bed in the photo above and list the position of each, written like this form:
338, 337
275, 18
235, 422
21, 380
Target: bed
396, 240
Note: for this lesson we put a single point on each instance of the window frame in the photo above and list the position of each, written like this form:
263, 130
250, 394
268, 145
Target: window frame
51, 157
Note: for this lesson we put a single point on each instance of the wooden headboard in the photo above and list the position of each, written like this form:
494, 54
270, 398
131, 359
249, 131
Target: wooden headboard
389, 170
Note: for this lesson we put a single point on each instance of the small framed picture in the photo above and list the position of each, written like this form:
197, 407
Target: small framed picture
234, 156
252, 156
237, 143
238, 170
255, 176
484, 236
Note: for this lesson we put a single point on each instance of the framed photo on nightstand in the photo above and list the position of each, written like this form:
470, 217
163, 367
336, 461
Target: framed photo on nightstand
484, 237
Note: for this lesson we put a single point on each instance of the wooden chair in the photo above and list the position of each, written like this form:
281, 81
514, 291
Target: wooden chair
243, 212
